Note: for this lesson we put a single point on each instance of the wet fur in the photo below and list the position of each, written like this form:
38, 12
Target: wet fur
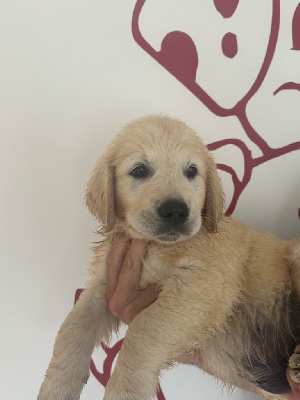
229, 292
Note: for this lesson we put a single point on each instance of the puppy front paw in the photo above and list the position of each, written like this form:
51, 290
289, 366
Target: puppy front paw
294, 363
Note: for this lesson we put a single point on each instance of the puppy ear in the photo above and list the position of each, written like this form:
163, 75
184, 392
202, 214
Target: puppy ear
99, 196
214, 200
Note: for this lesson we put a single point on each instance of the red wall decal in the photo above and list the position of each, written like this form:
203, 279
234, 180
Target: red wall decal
288, 86
229, 42
172, 58
226, 7
229, 45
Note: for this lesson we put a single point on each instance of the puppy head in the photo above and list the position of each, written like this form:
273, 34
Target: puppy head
158, 180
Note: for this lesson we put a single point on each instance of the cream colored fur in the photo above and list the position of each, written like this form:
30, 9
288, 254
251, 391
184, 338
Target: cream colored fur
218, 279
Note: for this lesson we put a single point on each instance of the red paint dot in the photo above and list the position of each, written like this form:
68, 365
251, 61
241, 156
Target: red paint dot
179, 55
226, 7
229, 45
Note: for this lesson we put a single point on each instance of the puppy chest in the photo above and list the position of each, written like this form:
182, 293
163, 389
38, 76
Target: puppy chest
162, 264
158, 267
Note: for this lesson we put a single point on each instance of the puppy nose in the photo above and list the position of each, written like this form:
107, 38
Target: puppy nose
173, 211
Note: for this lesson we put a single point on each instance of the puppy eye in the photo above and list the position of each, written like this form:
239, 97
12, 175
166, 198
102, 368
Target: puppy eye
141, 171
191, 172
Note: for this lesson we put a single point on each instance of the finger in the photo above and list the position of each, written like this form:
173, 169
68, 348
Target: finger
294, 386
191, 357
130, 274
114, 261
145, 298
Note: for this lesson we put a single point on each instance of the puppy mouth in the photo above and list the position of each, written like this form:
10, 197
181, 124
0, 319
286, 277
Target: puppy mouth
168, 237
158, 235
154, 229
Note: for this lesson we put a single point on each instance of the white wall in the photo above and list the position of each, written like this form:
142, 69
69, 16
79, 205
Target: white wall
71, 75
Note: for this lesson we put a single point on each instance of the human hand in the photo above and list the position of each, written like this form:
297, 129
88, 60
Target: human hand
124, 266
195, 358
295, 395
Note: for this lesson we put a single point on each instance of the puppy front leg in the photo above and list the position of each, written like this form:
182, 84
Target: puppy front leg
87, 324
182, 318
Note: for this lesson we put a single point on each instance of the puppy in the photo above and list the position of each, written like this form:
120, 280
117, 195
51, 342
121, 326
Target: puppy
228, 291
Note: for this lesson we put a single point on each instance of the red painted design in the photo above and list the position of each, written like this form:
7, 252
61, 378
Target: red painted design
111, 353
229, 42
288, 86
296, 29
229, 45
174, 49
226, 7
77, 294
179, 55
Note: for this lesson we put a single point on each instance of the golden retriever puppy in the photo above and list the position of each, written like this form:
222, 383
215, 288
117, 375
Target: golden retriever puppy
228, 291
